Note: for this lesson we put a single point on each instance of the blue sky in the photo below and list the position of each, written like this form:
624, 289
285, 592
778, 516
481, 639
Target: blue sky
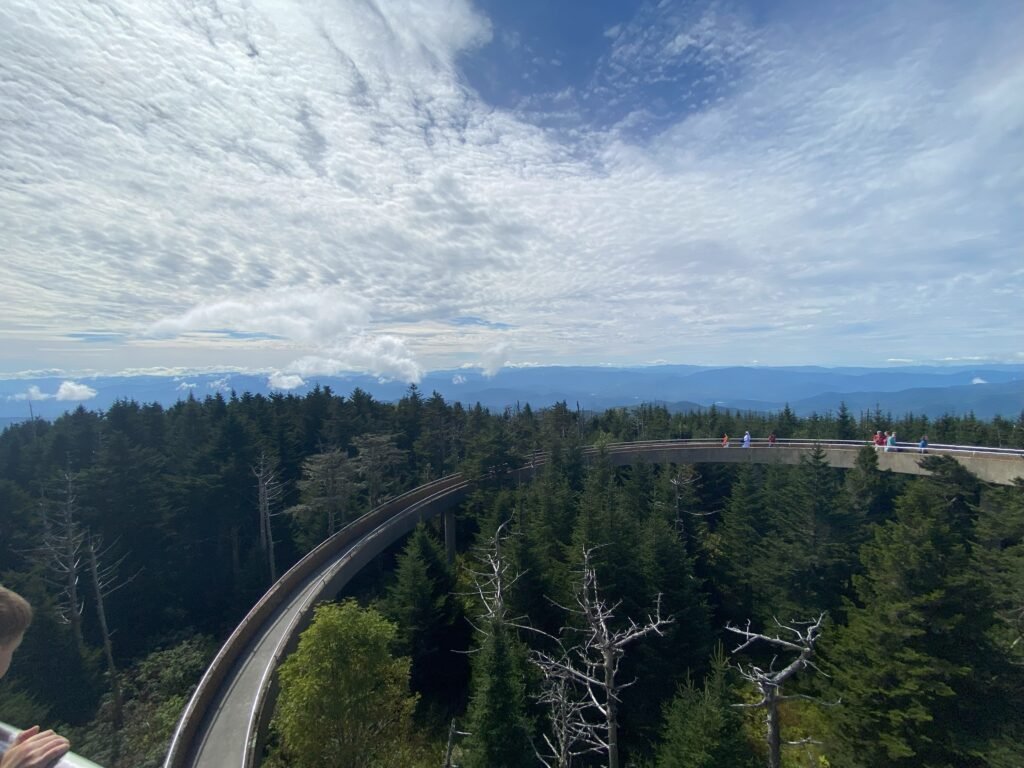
305, 188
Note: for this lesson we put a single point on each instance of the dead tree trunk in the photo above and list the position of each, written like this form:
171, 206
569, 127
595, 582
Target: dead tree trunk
102, 585
62, 545
269, 492
769, 681
592, 666
611, 702
566, 709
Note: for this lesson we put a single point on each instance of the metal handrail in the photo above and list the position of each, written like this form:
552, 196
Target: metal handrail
736, 442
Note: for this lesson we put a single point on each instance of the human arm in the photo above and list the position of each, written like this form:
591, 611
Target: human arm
35, 749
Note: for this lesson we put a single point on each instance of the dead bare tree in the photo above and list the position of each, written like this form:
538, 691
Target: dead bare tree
105, 582
686, 482
491, 583
450, 746
800, 639
69, 551
62, 548
269, 493
583, 686
572, 734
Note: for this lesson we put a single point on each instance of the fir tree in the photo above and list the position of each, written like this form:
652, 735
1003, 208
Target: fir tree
845, 426
916, 668
739, 535
498, 726
702, 728
499, 731
431, 627
809, 555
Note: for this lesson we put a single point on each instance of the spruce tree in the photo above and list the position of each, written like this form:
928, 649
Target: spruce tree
497, 723
806, 560
846, 428
684, 645
534, 553
1000, 533
739, 535
916, 668
702, 728
867, 492
431, 626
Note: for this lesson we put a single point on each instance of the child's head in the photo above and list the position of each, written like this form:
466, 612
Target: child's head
15, 616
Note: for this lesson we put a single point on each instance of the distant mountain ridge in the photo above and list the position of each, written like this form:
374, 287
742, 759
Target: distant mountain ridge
988, 390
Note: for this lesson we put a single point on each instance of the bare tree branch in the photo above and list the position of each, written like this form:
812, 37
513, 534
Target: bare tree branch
269, 491
581, 686
104, 583
62, 547
769, 681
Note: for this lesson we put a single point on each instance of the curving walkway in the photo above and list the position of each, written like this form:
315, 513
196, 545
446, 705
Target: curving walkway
224, 723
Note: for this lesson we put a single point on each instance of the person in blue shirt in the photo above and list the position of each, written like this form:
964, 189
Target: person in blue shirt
922, 446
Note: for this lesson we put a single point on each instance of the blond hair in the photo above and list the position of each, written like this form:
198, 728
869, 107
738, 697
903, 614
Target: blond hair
15, 616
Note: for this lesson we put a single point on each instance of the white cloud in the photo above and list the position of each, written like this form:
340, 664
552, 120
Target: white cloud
384, 356
68, 391
458, 378
280, 380
296, 314
221, 385
73, 391
256, 182
33, 393
494, 360
186, 386
978, 380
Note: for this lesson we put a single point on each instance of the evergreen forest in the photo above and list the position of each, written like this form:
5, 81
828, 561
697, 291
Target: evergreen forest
665, 616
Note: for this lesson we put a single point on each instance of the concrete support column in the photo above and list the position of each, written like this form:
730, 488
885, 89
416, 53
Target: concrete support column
449, 535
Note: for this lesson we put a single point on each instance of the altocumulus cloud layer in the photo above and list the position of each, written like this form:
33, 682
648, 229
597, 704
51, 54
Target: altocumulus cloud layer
322, 186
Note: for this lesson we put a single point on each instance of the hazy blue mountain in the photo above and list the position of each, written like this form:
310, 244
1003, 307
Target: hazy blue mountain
932, 390
984, 400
